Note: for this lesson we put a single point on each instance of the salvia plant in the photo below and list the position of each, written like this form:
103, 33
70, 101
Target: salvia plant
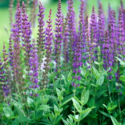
73, 73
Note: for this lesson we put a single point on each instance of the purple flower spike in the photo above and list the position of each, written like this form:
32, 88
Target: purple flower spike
93, 35
41, 34
26, 35
58, 36
121, 37
82, 27
65, 43
48, 47
71, 30
33, 62
101, 25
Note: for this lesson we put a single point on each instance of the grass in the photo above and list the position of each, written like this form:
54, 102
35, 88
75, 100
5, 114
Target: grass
4, 14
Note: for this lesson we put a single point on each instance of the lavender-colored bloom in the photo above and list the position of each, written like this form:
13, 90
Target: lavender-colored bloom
121, 38
65, 42
33, 12
26, 35
11, 11
112, 33
10, 52
41, 33
82, 26
71, 29
101, 25
106, 50
93, 35
37, 95
33, 62
16, 53
48, 47
16, 63
5, 78
87, 36
58, 36
77, 63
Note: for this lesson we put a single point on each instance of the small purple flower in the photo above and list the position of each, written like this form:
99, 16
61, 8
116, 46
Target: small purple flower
31, 94
36, 95
73, 84
78, 85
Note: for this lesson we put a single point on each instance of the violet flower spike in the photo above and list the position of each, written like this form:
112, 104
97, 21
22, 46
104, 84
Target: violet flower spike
58, 36
41, 34
48, 47
33, 61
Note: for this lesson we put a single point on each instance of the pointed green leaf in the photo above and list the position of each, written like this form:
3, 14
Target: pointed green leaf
59, 94
43, 107
77, 105
84, 97
69, 77
100, 81
8, 112
96, 73
84, 113
114, 121
121, 62
105, 114
122, 78
29, 101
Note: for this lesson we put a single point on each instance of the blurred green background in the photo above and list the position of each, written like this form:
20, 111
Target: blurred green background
48, 4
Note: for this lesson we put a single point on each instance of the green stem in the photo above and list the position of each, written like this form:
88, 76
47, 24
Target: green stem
119, 108
109, 93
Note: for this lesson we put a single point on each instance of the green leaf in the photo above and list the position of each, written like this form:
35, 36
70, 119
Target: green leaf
115, 68
96, 73
100, 81
65, 122
29, 101
58, 119
1, 107
43, 107
97, 63
8, 112
66, 100
114, 121
77, 105
84, 113
19, 109
122, 78
57, 110
69, 77
84, 97
59, 94
110, 108
121, 62
105, 114
91, 103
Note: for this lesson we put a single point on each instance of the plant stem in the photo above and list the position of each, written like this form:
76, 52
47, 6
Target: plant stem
119, 108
